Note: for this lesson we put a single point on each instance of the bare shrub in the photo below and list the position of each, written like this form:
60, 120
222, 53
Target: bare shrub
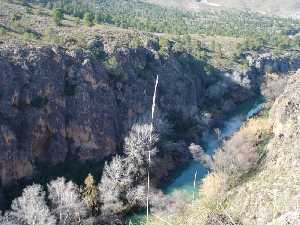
31, 208
198, 154
65, 201
214, 218
140, 140
7, 219
213, 190
114, 183
167, 204
136, 196
240, 153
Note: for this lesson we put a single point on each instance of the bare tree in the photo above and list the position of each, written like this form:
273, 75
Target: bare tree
115, 181
136, 196
31, 208
123, 181
139, 142
65, 202
7, 219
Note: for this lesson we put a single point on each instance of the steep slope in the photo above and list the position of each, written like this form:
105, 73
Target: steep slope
266, 194
273, 195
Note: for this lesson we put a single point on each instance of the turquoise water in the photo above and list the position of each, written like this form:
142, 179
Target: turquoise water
210, 143
184, 181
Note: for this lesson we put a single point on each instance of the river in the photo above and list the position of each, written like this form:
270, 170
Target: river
184, 179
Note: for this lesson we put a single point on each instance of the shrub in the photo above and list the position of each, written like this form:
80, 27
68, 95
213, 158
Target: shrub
240, 154
209, 70
296, 41
115, 182
140, 140
97, 49
135, 43
89, 193
29, 36
88, 19
2, 30
112, 65
183, 127
58, 16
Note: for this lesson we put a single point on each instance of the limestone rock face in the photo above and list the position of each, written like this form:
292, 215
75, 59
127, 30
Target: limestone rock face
57, 104
269, 63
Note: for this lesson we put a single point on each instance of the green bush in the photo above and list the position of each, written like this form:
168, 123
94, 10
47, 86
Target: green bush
2, 31
88, 19
296, 41
209, 69
136, 42
282, 41
30, 36
58, 16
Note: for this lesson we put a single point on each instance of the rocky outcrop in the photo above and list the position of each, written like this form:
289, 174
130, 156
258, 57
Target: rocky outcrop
270, 63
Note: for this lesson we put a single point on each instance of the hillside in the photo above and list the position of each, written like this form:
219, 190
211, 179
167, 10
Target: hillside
267, 192
289, 8
76, 93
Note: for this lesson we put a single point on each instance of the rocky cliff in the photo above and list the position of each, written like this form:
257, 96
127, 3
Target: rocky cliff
57, 104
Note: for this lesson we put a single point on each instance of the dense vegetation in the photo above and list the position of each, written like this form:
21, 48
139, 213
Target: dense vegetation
152, 18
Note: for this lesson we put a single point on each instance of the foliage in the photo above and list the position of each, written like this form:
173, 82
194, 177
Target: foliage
296, 41
58, 16
29, 36
88, 19
51, 36
89, 193
148, 17
2, 30
182, 127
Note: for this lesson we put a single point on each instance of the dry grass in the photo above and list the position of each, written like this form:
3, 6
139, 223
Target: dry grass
213, 190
